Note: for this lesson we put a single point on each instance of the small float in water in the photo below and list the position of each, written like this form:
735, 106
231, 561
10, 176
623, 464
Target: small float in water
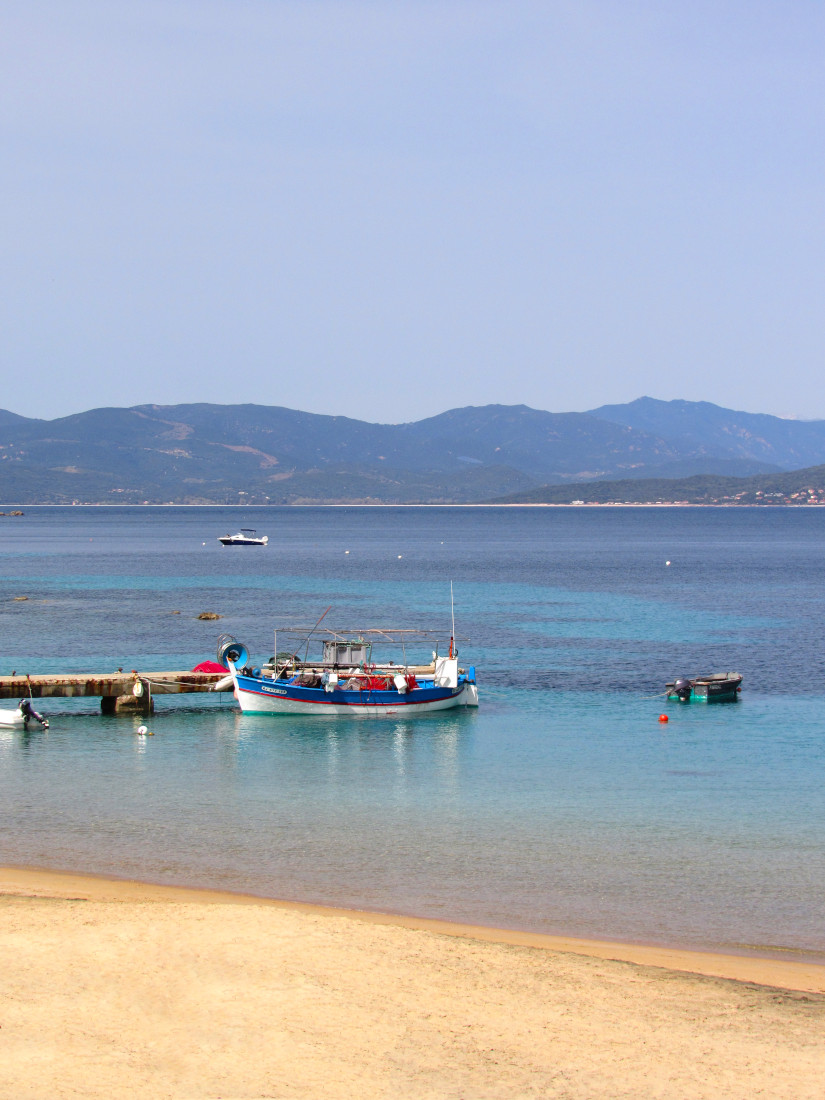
346, 679
718, 687
21, 716
247, 536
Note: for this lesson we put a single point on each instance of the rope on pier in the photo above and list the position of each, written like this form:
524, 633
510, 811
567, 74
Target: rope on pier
143, 679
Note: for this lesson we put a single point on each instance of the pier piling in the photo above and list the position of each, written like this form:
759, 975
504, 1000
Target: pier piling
127, 704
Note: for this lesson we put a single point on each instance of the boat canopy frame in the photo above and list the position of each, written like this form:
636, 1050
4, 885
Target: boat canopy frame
391, 636
364, 637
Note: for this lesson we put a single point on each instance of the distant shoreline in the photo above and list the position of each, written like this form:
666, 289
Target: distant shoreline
484, 504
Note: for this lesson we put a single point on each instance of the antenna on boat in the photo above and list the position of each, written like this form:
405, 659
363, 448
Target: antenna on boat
314, 629
292, 656
452, 616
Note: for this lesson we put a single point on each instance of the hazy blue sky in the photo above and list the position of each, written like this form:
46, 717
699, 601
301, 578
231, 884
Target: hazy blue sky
388, 209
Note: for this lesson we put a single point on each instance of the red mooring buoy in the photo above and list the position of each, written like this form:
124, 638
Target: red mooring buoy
663, 718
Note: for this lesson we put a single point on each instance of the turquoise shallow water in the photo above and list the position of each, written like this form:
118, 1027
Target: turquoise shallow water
561, 805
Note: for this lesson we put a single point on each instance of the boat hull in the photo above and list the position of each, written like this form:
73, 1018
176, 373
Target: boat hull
257, 696
718, 688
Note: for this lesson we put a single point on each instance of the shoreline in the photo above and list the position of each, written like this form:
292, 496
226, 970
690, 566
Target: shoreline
406, 504
752, 968
117, 989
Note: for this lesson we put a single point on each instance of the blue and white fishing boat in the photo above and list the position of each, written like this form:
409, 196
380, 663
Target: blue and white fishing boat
346, 680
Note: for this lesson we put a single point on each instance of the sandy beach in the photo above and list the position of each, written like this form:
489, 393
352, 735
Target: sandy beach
115, 989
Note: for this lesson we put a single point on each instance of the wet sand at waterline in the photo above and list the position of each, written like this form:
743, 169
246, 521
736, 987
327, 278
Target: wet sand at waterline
115, 989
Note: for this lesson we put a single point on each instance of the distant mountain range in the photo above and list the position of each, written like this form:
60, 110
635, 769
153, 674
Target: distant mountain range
257, 454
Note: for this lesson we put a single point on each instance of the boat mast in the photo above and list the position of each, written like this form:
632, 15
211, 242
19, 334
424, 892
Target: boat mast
452, 616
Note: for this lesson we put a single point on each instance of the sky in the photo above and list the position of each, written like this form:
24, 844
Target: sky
385, 209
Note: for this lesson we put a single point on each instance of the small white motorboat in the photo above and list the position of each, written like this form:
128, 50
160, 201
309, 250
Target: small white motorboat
247, 536
21, 716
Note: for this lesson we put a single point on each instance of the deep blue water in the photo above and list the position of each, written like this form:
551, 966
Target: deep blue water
562, 804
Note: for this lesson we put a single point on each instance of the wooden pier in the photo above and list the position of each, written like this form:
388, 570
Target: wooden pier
119, 692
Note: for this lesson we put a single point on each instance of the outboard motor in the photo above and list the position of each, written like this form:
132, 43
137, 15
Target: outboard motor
231, 650
28, 712
683, 687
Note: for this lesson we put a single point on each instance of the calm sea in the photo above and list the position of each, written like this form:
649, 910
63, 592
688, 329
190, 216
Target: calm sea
561, 805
